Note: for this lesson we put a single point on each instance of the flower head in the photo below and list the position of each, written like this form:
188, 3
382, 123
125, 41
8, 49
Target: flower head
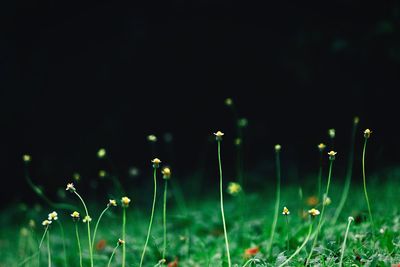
313, 212
332, 155
327, 201
285, 211
101, 153
367, 133
46, 222
321, 147
87, 219
356, 120
70, 187
156, 162
277, 148
53, 216
152, 138
120, 242
75, 215
234, 188
125, 202
218, 135
332, 133
102, 173
26, 158
228, 101
350, 219
112, 202
166, 172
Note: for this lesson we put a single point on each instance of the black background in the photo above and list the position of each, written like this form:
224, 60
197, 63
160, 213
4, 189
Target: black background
77, 76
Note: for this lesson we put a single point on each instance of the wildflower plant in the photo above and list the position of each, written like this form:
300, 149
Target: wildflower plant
156, 164
218, 137
166, 172
120, 242
349, 221
285, 213
125, 204
367, 135
75, 217
111, 203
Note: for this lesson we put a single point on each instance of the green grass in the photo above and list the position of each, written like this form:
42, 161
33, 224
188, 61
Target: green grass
197, 239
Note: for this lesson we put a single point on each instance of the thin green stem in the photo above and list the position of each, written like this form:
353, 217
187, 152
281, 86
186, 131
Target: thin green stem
222, 204
88, 228
277, 202
322, 212
165, 219
43, 236
349, 174
365, 185
299, 248
151, 217
344, 242
112, 255
123, 236
79, 244
97, 225
48, 249
287, 232
63, 239
320, 175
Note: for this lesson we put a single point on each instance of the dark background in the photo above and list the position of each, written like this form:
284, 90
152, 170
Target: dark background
76, 76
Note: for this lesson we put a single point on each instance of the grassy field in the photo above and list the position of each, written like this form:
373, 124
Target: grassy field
195, 234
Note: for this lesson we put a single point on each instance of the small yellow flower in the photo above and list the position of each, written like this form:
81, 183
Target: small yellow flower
285, 211
75, 215
332, 155
313, 212
101, 153
367, 133
26, 158
234, 188
102, 173
321, 147
332, 133
125, 202
327, 201
166, 172
46, 223
278, 148
152, 138
229, 102
218, 135
112, 202
120, 242
70, 187
356, 120
53, 216
87, 219
156, 162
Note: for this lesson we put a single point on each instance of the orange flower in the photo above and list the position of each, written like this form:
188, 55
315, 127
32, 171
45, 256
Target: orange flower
251, 252
173, 263
101, 244
312, 201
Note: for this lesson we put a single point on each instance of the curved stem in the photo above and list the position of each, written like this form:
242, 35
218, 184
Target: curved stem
299, 248
222, 204
365, 185
97, 225
165, 219
320, 175
349, 173
322, 212
43, 236
123, 237
88, 229
48, 249
151, 217
277, 202
112, 254
79, 244
63, 239
344, 244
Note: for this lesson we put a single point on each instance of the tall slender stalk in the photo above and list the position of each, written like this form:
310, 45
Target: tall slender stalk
367, 134
79, 244
88, 227
97, 225
321, 148
349, 172
287, 233
123, 237
63, 239
331, 159
156, 163
165, 219
113, 253
278, 197
219, 139
344, 241
48, 250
